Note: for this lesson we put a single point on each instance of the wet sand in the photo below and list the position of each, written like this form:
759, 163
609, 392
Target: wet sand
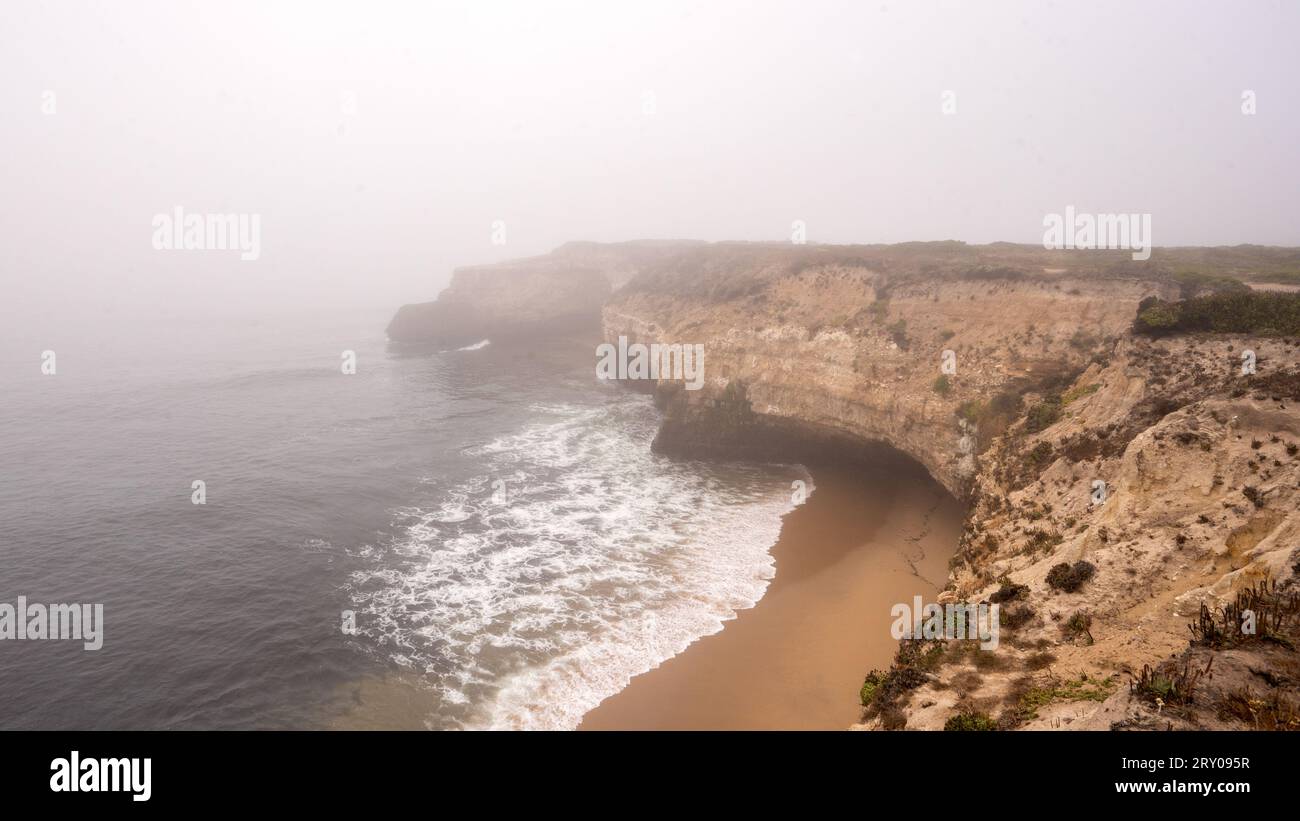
865, 540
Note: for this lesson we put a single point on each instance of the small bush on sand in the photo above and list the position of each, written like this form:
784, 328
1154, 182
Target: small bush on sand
1273, 711
1079, 625
1009, 591
1168, 683
1070, 578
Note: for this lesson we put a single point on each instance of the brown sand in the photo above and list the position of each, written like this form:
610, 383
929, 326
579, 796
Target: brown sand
866, 539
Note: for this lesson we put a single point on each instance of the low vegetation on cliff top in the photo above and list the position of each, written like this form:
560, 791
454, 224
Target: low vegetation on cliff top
1266, 313
712, 273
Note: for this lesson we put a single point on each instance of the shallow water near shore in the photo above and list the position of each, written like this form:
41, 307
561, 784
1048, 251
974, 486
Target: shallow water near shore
512, 549
871, 536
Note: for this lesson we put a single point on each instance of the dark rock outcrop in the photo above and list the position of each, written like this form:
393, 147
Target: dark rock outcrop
513, 298
559, 291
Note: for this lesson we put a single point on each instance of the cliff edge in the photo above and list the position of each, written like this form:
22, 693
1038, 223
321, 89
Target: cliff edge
1124, 434
527, 297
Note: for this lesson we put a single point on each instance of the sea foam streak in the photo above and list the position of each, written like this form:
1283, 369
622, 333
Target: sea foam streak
603, 561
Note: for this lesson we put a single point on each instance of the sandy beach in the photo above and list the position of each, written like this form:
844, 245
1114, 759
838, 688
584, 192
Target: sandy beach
867, 538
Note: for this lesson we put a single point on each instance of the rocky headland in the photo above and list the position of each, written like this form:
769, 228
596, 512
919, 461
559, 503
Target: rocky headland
1123, 435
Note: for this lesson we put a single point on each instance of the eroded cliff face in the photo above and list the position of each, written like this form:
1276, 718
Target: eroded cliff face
1176, 476
839, 354
1161, 465
1049, 396
524, 297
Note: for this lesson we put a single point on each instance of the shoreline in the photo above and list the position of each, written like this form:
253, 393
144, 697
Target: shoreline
868, 536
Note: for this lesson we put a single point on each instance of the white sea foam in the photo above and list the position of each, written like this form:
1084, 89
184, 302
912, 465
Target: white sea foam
604, 561
476, 346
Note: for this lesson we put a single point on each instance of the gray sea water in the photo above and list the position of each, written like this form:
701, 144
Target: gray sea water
493, 516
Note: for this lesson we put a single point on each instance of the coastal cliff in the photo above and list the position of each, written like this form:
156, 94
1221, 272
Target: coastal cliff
1125, 476
525, 297
828, 348
1126, 525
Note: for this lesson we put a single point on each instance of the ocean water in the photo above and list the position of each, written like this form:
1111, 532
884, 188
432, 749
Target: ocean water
492, 515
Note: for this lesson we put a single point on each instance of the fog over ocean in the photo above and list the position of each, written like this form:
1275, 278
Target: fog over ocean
380, 492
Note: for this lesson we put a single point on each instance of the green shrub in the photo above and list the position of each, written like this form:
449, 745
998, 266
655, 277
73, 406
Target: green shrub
1074, 394
988, 272
969, 722
1080, 689
993, 416
912, 662
869, 687
1268, 313
1169, 683
1043, 415
1191, 283
1161, 317
1040, 456
942, 386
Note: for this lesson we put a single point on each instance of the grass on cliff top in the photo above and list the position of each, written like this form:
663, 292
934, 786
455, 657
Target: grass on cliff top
1266, 313
1195, 283
1080, 689
1259, 263
723, 271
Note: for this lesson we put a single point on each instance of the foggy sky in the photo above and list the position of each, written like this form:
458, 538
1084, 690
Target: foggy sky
610, 121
